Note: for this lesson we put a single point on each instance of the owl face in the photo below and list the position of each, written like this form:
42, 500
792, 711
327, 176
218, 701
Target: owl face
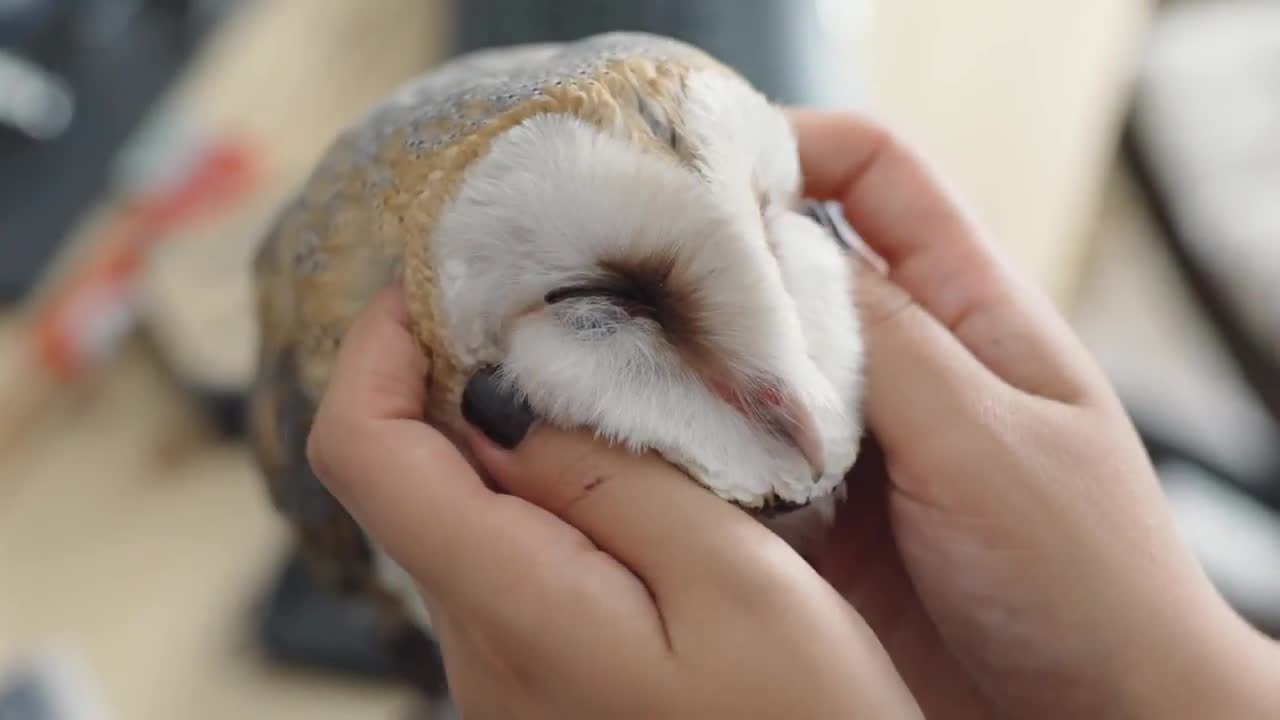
673, 302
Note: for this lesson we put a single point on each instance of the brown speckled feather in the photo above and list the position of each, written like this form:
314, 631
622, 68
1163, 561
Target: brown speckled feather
366, 217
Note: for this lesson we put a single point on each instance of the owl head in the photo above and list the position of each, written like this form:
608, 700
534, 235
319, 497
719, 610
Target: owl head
676, 300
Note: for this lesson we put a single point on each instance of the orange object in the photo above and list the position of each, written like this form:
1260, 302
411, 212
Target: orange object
83, 319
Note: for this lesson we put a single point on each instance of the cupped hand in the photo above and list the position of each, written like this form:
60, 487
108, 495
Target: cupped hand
589, 583
1006, 537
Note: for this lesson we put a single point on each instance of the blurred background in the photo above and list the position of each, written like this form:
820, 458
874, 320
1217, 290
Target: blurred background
1125, 153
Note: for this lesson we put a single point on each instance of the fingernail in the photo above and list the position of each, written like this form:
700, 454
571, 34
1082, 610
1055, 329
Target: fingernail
821, 213
831, 218
498, 413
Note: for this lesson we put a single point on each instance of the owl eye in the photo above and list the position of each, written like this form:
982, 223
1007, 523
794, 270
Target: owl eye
634, 301
575, 292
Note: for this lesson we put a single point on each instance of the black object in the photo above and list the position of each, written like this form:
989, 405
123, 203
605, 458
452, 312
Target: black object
305, 623
117, 65
227, 410
830, 215
501, 415
778, 45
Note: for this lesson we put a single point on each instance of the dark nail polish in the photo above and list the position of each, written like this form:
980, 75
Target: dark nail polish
499, 414
825, 215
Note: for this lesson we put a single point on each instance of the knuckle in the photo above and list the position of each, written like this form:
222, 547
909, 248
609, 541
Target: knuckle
862, 125
882, 140
879, 140
877, 299
317, 452
325, 443
882, 303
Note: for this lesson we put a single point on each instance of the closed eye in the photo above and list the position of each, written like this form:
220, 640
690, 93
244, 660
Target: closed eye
575, 292
634, 301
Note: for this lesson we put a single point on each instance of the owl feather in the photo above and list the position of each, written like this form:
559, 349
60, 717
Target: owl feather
617, 224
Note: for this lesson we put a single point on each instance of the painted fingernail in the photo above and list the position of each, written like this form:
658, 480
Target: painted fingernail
494, 408
830, 216
821, 213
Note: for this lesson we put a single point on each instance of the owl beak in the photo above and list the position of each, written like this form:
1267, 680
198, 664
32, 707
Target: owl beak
800, 427
786, 414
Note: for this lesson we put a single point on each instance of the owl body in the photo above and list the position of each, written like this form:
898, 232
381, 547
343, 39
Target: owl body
615, 224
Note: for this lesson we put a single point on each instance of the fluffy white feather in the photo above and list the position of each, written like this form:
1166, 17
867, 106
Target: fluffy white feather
555, 199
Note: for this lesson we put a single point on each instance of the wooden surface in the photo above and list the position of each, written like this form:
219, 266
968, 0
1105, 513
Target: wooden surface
137, 542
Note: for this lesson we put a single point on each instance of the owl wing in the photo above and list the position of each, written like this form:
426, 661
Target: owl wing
316, 269
312, 276
346, 235
329, 251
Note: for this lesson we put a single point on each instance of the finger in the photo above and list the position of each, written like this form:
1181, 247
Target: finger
408, 485
675, 535
919, 377
380, 367
368, 430
861, 560
937, 253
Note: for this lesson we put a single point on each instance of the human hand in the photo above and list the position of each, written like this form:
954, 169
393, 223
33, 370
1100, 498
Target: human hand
597, 583
1007, 540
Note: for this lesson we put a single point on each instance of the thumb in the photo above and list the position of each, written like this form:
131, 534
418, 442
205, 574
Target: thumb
407, 485
669, 531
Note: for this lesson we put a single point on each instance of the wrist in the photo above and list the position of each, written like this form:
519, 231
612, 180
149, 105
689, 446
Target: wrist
1223, 668
1248, 682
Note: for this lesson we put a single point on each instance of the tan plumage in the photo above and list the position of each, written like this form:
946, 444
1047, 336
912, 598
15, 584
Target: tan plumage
684, 194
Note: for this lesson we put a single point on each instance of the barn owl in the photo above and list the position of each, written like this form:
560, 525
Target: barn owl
616, 224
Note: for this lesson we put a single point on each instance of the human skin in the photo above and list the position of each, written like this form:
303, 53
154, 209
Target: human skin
1008, 539
595, 583
1006, 550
